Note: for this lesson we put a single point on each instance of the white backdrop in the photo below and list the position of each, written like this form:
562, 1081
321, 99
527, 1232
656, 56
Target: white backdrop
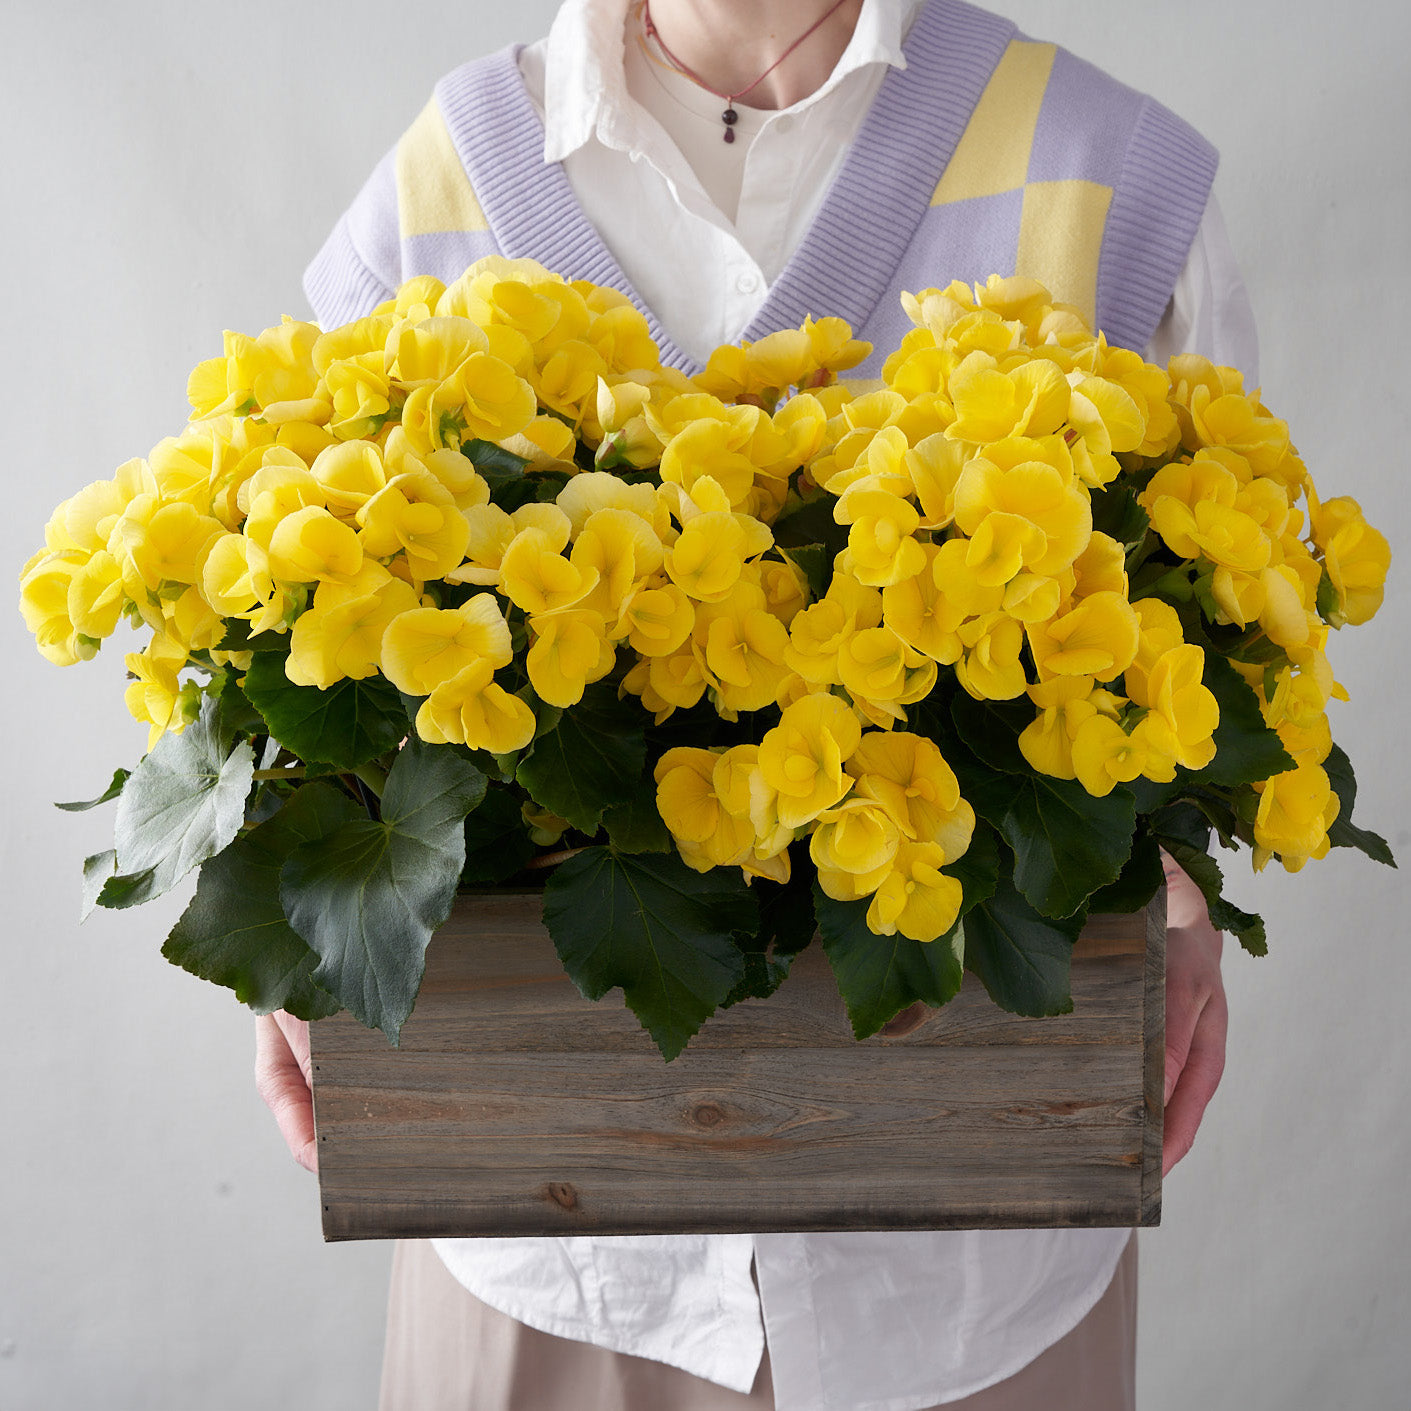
168, 170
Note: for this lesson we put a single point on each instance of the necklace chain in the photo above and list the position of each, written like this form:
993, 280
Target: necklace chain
730, 117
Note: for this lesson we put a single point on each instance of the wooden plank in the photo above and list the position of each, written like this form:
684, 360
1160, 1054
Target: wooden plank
514, 1106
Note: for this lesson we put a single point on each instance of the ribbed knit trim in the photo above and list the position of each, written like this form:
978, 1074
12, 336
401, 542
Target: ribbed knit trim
529, 203
848, 258
1156, 210
338, 285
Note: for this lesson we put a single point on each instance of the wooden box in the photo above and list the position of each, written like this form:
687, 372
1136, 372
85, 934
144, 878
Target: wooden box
516, 1107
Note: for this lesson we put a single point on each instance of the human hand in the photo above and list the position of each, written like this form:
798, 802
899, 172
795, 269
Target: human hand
282, 1079
1196, 1013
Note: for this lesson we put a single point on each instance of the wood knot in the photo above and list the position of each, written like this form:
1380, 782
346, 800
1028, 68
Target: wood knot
707, 1115
562, 1194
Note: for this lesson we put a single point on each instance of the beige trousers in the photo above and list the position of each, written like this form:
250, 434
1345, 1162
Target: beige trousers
447, 1351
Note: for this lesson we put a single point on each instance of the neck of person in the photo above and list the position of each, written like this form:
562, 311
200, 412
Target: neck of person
729, 43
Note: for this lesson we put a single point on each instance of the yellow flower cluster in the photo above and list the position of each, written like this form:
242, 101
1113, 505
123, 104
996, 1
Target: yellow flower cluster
321, 490
882, 812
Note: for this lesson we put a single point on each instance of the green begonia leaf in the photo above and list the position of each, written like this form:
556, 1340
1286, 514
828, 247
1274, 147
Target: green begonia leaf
592, 758
1345, 833
655, 927
1205, 872
346, 725
368, 894
184, 802
879, 976
977, 867
234, 931
1246, 749
1023, 959
1117, 514
102, 886
120, 777
497, 841
1140, 880
636, 826
786, 927
1066, 843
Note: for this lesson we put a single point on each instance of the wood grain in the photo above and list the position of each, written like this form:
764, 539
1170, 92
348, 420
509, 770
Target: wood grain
514, 1106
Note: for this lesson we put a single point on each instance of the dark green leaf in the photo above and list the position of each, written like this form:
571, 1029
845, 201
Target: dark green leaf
347, 725
103, 887
497, 843
879, 976
816, 565
991, 730
636, 826
811, 522
655, 927
492, 462
367, 895
1140, 880
1345, 833
592, 758
1117, 514
234, 932
1205, 872
120, 777
786, 916
977, 867
1246, 749
183, 803
1023, 959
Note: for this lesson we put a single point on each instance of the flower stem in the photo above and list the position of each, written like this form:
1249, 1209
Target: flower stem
297, 772
552, 859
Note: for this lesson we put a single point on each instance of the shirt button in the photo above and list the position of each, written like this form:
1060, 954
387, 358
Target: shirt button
747, 283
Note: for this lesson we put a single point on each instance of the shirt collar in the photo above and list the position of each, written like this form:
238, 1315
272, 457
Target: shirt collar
585, 92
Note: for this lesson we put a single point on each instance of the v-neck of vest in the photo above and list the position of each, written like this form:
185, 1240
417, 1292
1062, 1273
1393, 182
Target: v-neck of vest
847, 260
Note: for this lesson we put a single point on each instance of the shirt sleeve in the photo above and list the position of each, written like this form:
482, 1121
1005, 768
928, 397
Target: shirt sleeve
1209, 312
360, 263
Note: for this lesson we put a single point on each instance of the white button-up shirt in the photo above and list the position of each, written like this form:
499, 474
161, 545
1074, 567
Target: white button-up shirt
855, 1322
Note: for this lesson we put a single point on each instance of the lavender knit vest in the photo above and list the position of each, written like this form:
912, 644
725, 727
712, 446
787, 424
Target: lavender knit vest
988, 154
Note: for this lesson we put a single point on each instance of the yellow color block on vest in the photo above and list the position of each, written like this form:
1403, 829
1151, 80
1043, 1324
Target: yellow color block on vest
433, 192
1060, 239
993, 153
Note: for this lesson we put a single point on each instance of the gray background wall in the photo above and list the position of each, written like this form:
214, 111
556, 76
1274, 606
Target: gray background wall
168, 169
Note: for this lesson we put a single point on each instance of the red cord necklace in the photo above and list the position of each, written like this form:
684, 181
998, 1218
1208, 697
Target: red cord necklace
730, 117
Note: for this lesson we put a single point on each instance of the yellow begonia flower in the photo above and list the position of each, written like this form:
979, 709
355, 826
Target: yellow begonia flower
876, 665
488, 397
706, 833
742, 649
352, 340
156, 696
706, 561
44, 601
426, 352
1286, 611
361, 394
1235, 422
1104, 755
710, 448
990, 404
349, 474
536, 577
471, 710
802, 758
263, 372
1108, 420
340, 635
414, 515
922, 616
858, 839
881, 549
785, 588
281, 485
934, 466
570, 648
676, 680
185, 467
1296, 809
817, 633
1100, 568
1356, 555
623, 550
1183, 713
958, 586
594, 490
1159, 631
908, 776
1098, 636
423, 647
96, 596
310, 546
656, 619
85, 520
1025, 516
916, 899
1309, 743
155, 543
990, 668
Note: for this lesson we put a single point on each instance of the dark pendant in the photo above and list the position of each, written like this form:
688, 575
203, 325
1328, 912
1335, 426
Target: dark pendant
729, 134
730, 117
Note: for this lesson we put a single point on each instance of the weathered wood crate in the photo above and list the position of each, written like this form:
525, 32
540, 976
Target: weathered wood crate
516, 1107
